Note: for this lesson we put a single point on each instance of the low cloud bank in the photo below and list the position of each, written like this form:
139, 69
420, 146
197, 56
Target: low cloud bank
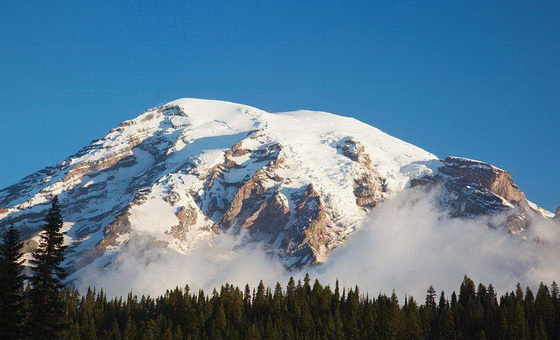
410, 243
407, 244
144, 269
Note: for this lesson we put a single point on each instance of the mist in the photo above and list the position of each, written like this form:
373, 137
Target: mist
407, 244
410, 243
144, 269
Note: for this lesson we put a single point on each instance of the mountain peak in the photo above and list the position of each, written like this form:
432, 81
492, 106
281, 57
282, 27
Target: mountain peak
204, 110
180, 173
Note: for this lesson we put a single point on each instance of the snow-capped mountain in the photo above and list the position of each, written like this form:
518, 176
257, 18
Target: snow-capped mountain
300, 182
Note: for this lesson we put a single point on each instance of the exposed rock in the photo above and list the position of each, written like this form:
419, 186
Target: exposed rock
237, 151
309, 235
473, 188
485, 175
120, 226
557, 215
369, 187
367, 191
356, 152
86, 167
187, 218
247, 201
271, 217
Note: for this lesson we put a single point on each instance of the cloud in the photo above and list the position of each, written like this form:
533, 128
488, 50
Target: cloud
145, 269
407, 244
410, 243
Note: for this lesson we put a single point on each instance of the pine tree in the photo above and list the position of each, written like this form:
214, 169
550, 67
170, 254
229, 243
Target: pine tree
395, 318
11, 286
317, 313
48, 273
429, 313
413, 322
540, 332
445, 323
555, 296
544, 307
253, 333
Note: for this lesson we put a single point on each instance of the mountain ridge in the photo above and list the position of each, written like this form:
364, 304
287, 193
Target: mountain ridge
300, 181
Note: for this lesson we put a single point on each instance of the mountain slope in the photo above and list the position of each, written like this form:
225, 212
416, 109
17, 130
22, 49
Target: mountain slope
181, 173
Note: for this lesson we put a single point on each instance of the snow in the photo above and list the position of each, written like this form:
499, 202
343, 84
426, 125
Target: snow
543, 211
155, 216
422, 168
164, 156
475, 163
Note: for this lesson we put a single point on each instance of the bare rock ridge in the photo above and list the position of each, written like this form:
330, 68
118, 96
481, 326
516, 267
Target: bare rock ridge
299, 182
473, 188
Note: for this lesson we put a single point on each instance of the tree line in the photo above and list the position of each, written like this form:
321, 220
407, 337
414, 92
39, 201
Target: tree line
31, 307
41, 307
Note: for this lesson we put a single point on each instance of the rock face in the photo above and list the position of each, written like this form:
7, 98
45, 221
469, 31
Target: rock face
369, 188
473, 188
299, 182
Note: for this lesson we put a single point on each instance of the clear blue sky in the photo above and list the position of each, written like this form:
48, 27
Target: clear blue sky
475, 79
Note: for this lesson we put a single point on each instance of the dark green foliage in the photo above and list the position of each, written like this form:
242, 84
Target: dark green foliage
47, 307
311, 311
302, 311
11, 286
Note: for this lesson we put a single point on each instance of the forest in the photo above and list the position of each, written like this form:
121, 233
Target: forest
41, 306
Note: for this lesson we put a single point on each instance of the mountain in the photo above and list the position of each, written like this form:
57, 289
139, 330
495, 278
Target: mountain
300, 182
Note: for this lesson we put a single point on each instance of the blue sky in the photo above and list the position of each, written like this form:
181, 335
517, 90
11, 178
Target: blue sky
479, 80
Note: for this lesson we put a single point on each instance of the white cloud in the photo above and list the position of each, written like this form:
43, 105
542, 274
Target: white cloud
407, 244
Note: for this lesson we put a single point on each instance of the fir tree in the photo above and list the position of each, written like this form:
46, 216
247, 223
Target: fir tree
429, 313
11, 286
445, 323
413, 322
544, 307
317, 313
555, 297
46, 306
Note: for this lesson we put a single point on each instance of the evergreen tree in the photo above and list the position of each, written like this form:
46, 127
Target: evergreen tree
540, 332
445, 322
544, 307
429, 313
308, 312
11, 286
412, 318
46, 306
555, 297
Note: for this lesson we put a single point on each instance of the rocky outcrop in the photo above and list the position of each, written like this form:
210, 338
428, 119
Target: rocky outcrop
119, 227
246, 201
259, 206
368, 190
187, 217
495, 180
356, 152
473, 188
557, 215
369, 187
309, 236
271, 217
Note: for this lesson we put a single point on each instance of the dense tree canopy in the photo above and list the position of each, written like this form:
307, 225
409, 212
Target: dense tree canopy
313, 311
46, 309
